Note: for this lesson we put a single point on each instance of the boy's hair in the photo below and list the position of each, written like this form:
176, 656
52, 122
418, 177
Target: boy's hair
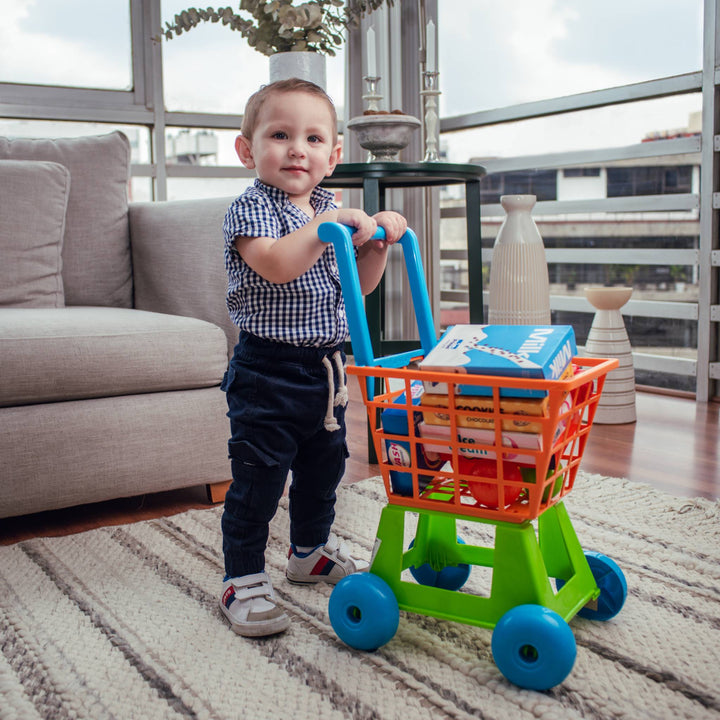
257, 100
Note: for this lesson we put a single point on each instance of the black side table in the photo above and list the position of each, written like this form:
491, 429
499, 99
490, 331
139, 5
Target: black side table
374, 179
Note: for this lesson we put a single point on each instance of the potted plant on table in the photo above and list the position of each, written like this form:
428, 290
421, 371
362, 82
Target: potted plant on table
279, 27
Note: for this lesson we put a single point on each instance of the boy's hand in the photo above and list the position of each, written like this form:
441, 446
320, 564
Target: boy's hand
364, 225
393, 223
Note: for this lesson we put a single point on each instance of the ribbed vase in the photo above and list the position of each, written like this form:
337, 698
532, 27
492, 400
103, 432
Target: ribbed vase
519, 284
608, 338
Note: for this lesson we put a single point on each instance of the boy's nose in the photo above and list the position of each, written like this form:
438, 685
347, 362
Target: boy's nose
297, 149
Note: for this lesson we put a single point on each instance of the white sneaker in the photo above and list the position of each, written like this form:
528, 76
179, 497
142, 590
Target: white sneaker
248, 602
329, 563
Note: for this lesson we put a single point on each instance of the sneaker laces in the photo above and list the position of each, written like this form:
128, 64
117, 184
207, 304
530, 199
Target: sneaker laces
334, 398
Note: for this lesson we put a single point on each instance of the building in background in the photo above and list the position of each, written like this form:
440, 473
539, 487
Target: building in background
193, 147
648, 233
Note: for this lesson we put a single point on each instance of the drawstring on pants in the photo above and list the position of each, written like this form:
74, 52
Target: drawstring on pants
334, 399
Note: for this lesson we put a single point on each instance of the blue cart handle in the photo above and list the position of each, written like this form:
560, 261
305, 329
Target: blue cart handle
341, 238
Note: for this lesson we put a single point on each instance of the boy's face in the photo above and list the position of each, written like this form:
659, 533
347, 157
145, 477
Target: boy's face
293, 146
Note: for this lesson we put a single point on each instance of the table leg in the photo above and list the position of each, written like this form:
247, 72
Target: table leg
474, 245
374, 202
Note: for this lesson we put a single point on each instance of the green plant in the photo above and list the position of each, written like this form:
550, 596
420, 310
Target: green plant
275, 26
628, 272
677, 273
624, 274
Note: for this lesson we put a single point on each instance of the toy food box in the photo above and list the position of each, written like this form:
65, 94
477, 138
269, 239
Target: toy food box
518, 351
527, 407
515, 441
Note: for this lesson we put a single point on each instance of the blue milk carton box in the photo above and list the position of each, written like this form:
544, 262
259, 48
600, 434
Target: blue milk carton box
397, 452
518, 351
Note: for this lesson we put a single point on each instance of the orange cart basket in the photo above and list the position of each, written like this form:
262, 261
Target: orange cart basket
522, 474
523, 465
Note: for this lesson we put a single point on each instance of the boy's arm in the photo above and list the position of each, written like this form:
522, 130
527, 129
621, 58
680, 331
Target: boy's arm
284, 259
372, 256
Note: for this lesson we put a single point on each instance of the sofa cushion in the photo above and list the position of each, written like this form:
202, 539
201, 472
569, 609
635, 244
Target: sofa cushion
176, 240
96, 251
75, 353
32, 223
68, 453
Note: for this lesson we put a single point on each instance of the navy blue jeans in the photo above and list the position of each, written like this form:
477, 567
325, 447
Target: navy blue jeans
277, 398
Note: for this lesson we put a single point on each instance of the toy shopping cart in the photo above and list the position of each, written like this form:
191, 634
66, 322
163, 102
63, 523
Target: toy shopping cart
475, 462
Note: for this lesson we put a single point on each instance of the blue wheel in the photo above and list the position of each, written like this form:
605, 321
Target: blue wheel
452, 577
533, 647
613, 587
364, 611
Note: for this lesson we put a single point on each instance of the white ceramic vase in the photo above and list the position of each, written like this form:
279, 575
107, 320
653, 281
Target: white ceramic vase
304, 65
519, 284
608, 338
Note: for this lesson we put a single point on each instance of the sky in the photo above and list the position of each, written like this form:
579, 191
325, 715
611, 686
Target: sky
500, 53
534, 49
537, 49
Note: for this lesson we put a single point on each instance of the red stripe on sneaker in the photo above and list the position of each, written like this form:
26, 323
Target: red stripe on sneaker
323, 566
228, 596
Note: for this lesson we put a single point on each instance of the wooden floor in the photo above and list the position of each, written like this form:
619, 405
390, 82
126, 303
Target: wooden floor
674, 445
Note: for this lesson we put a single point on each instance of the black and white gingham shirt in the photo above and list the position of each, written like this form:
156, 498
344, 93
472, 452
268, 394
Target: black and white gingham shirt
308, 311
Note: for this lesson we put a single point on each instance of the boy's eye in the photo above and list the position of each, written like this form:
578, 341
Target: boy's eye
315, 139
279, 135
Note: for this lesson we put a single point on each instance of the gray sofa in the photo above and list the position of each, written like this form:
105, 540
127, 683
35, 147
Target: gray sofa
114, 335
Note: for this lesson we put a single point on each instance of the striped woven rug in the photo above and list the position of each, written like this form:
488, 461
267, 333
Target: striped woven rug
123, 622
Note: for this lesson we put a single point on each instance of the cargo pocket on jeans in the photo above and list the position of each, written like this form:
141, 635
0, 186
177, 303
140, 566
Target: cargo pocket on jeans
246, 453
228, 377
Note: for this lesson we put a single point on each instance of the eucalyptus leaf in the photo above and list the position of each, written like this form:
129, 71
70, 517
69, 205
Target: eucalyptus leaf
282, 25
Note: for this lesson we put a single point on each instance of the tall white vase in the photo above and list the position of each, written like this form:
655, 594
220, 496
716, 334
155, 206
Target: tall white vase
608, 338
519, 284
304, 65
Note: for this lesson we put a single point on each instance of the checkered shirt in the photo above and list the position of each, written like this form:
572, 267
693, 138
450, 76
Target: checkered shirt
308, 311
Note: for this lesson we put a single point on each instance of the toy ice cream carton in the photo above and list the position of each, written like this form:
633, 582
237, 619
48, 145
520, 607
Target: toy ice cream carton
515, 444
517, 351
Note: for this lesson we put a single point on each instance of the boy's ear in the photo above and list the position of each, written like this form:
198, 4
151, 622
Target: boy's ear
243, 148
334, 159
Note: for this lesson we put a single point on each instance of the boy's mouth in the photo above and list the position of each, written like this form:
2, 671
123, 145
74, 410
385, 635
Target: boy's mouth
295, 168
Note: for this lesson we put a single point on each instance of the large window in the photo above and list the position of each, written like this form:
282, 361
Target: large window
541, 183
564, 103
74, 43
591, 129
523, 51
529, 51
648, 180
212, 68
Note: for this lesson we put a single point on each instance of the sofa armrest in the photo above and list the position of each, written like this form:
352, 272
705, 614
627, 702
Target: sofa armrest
177, 257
